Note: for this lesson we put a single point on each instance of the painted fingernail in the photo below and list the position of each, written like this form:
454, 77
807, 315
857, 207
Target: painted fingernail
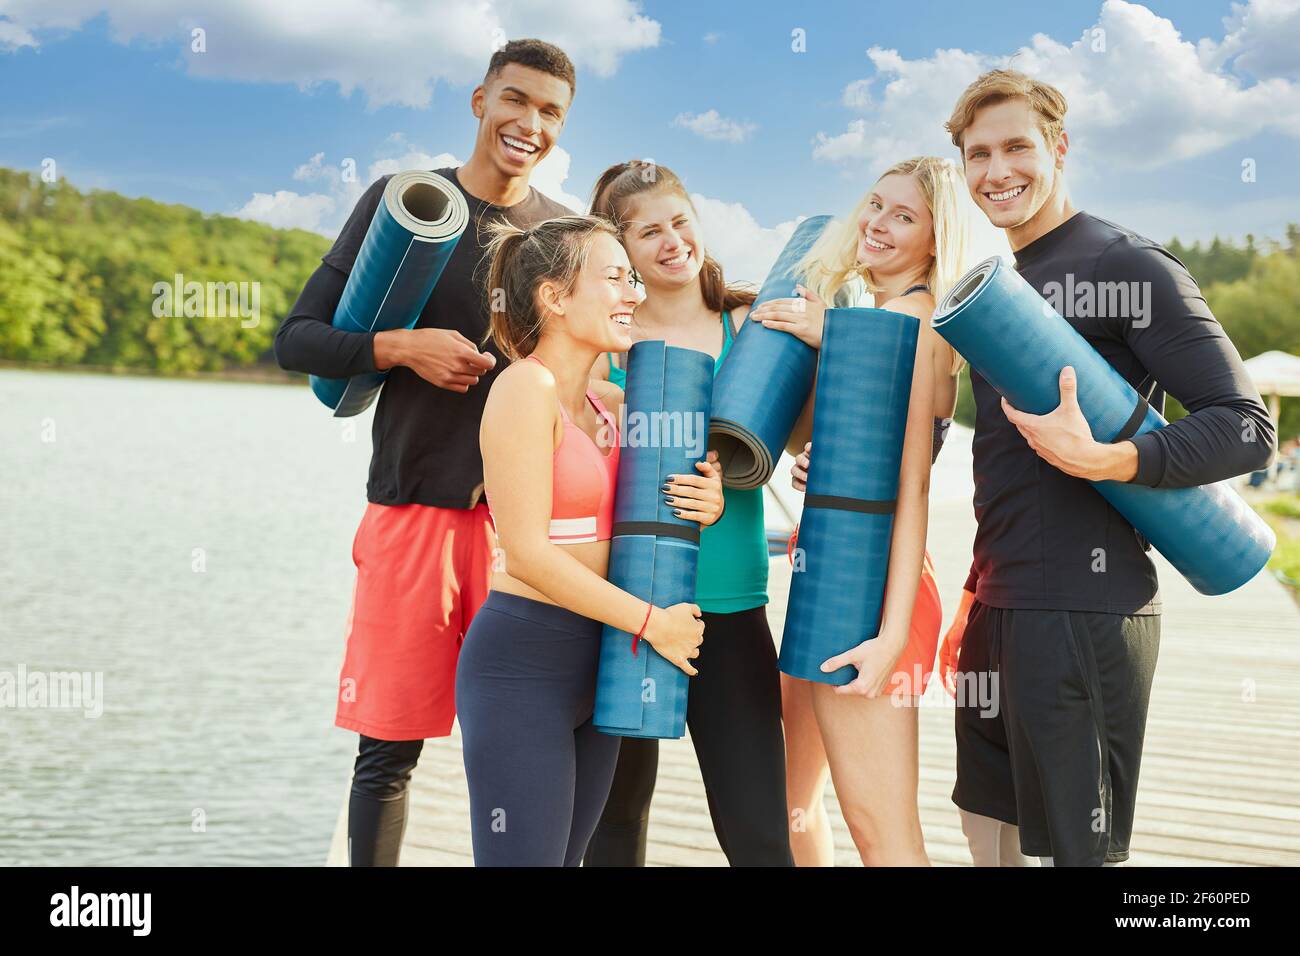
677, 512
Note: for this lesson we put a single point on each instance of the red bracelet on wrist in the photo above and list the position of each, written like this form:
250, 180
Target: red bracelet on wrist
641, 633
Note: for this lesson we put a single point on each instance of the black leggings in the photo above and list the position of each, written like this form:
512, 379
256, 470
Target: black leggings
734, 716
377, 805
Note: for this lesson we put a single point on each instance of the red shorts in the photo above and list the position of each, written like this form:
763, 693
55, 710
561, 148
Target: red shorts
916, 663
422, 574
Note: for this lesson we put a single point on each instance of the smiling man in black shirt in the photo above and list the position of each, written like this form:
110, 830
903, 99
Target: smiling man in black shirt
424, 549
1063, 601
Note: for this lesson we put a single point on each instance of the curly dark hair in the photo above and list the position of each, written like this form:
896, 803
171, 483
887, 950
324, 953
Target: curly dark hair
536, 55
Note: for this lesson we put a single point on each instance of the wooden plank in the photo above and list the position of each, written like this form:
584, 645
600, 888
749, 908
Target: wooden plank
1220, 780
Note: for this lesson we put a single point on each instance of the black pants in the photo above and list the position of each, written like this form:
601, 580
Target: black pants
1051, 717
734, 716
377, 805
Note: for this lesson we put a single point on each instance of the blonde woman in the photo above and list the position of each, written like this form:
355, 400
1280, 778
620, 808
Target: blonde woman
902, 247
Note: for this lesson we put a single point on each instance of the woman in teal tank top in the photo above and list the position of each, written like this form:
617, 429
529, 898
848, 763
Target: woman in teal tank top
734, 708
733, 565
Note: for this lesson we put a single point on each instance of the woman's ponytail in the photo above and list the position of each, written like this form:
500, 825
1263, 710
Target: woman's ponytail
519, 261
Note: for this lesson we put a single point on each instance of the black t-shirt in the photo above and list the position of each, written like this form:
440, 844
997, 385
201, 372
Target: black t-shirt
1044, 537
425, 438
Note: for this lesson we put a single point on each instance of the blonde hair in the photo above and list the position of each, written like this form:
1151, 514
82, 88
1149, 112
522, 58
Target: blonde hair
997, 86
519, 261
832, 263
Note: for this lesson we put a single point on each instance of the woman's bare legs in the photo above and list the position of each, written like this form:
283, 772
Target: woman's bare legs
806, 773
871, 746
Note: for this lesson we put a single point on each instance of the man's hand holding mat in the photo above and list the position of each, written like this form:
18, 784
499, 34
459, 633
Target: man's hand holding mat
442, 357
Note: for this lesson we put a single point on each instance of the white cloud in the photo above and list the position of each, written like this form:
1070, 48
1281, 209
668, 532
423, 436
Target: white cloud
549, 178
1140, 95
712, 125
285, 209
393, 52
1262, 39
340, 183
857, 95
13, 36
907, 114
398, 154
733, 237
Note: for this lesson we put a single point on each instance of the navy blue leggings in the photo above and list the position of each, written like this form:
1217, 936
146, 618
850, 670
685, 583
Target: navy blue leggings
538, 771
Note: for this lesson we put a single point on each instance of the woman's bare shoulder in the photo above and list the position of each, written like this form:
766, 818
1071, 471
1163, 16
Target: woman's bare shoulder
520, 386
607, 391
919, 305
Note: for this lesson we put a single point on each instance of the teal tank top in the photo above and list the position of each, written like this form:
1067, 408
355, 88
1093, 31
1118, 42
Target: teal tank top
732, 573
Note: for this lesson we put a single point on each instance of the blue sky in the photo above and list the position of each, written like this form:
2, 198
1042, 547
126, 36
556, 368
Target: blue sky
1162, 114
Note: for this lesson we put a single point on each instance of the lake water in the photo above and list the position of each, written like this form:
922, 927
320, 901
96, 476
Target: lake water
189, 544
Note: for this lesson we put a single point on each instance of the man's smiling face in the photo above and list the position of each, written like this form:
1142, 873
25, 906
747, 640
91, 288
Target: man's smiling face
521, 112
1011, 170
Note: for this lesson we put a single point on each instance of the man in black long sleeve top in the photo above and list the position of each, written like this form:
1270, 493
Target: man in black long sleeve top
1065, 611
424, 547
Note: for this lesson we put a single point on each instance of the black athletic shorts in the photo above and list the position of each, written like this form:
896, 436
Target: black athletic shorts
1051, 714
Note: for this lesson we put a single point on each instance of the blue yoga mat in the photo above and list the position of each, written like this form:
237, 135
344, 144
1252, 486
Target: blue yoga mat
1208, 533
864, 384
653, 553
416, 226
765, 380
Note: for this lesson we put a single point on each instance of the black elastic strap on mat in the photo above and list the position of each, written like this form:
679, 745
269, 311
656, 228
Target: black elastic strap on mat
1139, 414
661, 529
865, 505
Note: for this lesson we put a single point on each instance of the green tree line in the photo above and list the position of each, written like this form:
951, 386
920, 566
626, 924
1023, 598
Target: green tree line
1254, 292
80, 273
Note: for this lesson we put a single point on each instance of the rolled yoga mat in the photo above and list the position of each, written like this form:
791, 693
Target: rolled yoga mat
837, 590
653, 553
1208, 533
764, 382
412, 235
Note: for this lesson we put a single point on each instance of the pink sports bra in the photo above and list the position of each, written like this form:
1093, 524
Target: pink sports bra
582, 481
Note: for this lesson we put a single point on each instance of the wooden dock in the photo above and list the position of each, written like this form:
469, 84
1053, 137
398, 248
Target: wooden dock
1220, 780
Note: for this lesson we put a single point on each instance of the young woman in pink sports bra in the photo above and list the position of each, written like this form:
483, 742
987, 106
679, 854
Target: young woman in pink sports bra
538, 772
582, 497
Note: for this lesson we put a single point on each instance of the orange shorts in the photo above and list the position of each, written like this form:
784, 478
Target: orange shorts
916, 663
422, 574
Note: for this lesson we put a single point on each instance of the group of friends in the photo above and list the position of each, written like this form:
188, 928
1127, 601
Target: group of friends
482, 555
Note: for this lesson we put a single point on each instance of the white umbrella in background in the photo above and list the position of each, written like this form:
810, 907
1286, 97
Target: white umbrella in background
1275, 374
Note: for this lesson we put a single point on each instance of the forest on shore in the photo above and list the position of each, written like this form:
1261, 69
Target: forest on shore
99, 279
